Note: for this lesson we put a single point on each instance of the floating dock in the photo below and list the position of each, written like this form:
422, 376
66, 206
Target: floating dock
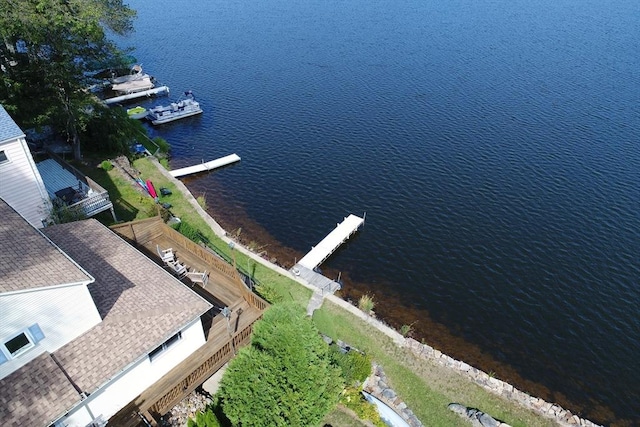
154, 91
305, 268
329, 244
205, 167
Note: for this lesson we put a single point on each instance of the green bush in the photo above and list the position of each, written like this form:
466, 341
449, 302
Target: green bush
106, 165
353, 399
268, 292
355, 366
162, 144
189, 231
285, 378
204, 419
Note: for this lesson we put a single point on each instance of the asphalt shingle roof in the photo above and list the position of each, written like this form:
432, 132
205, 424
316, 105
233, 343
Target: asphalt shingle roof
8, 128
28, 259
141, 304
35, 394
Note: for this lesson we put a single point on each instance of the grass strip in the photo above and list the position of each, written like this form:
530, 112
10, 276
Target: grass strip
426, 387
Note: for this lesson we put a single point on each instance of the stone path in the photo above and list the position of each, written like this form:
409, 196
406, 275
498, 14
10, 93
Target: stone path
315, 302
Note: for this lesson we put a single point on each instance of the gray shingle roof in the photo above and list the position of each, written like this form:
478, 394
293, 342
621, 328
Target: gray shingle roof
141, 304
8, 128
35, 394
29, 260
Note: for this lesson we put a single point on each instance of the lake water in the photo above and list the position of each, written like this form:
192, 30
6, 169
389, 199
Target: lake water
494, 146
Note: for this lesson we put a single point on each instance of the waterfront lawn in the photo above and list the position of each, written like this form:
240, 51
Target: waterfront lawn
131, 204
426, 387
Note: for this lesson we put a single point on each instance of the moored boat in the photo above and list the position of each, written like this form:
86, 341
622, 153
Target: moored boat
133, 86
137, 112
176, 110
135, 74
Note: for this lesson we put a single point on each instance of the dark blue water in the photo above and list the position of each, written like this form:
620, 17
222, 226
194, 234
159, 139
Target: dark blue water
494, 146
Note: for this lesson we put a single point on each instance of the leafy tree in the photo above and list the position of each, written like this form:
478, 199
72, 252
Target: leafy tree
48, 51
112, 130
285, 378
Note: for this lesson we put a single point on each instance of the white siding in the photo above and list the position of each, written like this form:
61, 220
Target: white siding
21, 185
62, 313
137, 378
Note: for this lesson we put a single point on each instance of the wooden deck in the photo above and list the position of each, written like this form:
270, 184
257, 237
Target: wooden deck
225, 288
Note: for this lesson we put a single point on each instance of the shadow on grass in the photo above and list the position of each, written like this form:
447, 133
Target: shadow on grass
125, 211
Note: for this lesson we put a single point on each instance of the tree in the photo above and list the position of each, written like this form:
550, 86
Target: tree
285, 378
49, 51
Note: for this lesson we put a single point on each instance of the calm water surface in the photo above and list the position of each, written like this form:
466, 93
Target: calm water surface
494, 146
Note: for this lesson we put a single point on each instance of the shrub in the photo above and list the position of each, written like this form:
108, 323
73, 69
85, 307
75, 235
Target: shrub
284, 378
204, 419
106, 165
202, 201
406, 330
268, 292
353, 399
189, 231
162, 144
366, 303
355, 366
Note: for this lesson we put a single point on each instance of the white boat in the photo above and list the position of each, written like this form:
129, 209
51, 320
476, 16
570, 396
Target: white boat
176, 110
135, 74
137, 112
133, 86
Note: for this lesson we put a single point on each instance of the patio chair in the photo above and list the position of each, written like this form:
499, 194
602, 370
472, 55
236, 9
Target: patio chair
197, 277
166, 255
177, 268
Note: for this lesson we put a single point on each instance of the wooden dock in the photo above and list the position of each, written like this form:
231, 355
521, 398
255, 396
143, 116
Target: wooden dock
205, 167
154, 91
329, 244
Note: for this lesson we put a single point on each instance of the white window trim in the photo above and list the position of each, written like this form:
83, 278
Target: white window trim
27, 334
8, 160
165, 346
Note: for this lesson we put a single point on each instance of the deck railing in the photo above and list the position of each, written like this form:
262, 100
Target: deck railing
93, 204
146, 230
201, 373
97, 199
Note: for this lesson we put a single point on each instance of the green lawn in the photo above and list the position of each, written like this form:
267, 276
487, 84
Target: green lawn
426, 387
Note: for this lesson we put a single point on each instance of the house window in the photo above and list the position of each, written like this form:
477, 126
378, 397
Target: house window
3, 157
164, 346
20, 343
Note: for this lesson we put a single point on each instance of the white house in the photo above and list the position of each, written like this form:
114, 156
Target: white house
86, 322
20, 182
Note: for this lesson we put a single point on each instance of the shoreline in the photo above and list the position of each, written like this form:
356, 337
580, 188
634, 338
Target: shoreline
487, 381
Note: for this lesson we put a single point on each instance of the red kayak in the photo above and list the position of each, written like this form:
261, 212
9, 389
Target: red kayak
152, 190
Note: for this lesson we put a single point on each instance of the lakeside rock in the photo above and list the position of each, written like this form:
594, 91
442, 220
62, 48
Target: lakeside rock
477, 417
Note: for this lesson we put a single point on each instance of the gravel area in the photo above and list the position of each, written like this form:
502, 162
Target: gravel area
187, 408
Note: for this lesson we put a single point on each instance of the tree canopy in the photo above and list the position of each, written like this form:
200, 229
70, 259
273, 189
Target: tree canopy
49, 52
285, 378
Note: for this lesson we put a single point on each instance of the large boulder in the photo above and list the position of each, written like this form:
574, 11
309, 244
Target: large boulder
475, 416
